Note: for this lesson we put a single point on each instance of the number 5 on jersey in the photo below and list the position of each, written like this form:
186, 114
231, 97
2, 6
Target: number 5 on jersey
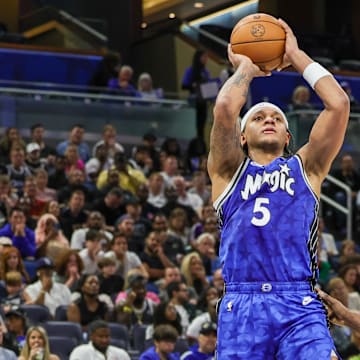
261, 212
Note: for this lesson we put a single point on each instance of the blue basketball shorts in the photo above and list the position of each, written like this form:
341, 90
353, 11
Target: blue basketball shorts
266, 321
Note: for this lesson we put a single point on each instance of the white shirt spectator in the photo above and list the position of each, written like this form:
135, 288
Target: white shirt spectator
88, 352
328, 246
78, 238
131, 261
90, 265
58, 295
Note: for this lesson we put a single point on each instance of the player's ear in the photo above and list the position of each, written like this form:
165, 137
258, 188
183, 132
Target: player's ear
242, 139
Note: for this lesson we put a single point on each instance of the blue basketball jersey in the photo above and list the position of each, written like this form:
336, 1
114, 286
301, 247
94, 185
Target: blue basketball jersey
268, 219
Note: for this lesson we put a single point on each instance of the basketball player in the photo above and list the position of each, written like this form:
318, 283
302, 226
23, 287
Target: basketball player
267, 204
340, 314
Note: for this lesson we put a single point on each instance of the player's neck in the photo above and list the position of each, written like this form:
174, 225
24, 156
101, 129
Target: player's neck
263, 157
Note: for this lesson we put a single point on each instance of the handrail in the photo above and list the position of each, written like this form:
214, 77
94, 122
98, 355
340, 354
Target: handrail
346, 210
207, 34
86, 96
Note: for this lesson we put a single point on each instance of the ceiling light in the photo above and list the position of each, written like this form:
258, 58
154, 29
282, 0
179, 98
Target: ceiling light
198, 5
172, 15
144, 25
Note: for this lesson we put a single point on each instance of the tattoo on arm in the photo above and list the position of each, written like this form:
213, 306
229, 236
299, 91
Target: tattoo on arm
238, 80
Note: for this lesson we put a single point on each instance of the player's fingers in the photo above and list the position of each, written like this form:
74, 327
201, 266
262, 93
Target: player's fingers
285, 26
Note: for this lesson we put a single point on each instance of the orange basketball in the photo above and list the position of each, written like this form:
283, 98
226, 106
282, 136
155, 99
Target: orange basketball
261, 38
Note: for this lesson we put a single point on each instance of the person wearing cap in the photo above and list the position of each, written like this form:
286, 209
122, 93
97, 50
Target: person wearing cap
17, 325
205, 349
33, 159
267, 203
45, 291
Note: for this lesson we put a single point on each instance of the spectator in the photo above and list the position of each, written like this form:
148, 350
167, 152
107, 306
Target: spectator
194, 272
37, 133
96, 222
43, 192
165, 337
5, 353
194, 76
17, 169
111, 206
195, 152
125, 260
47, 230
129, 178
37, 342
109, 141
172, 147
122, 85
36, 206
135, 307
300, 99
153, 257
13, 290
99, 346
88, 307
11, 139
76, 137
33, 160
74, 215
72, 159
11, 261
92, 252
171, 274
45, 291
205, 349
200, 187
145, 88
149, 141
53, 208
8, 198
99, 162
22, 237
350, 276
69, 267
110, 282
57, 176
141, 160
205, 246
165, 313
17, 326
170, 169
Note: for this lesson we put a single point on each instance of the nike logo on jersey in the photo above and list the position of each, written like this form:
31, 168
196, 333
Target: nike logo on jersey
307, 300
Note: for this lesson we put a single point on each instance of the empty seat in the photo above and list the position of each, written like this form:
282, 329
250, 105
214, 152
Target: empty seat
61, 313
37, 314
139, 337
65, 329
62, 346
119, 334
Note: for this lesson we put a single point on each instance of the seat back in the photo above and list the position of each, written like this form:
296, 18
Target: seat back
65, 329
138, 337
62, 346
37, 314
61, 313
120, 334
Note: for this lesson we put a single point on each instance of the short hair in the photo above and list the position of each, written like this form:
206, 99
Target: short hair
171, 287
105, 261
13, 278
165, 332
92, 235
36, 126
97, 324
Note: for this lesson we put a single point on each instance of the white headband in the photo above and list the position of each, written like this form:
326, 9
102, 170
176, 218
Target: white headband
257, 108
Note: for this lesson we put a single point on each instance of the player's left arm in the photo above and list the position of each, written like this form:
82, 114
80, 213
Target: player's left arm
328, 131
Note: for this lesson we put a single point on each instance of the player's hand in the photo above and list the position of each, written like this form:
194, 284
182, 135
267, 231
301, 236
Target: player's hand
291, 45
238, 59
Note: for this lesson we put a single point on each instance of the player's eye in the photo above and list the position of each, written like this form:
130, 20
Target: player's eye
258, 118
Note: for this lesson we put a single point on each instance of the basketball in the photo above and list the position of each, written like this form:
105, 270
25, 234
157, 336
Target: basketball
261, 38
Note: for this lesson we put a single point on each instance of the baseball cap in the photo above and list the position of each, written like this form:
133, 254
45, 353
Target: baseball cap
32, 147
133, 278
208, 327
16, 311
44, 263
4, 240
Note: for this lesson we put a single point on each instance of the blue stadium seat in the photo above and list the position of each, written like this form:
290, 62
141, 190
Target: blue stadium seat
61, 313
66, 329
62, 346
119, 335
37, 314
139, 337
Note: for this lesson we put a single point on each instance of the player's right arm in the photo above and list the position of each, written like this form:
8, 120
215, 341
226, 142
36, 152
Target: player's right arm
225, 152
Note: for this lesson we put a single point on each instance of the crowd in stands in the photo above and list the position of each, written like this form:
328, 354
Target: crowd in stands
101, 236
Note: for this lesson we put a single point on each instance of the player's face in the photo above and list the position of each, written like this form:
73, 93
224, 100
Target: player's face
266, 129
